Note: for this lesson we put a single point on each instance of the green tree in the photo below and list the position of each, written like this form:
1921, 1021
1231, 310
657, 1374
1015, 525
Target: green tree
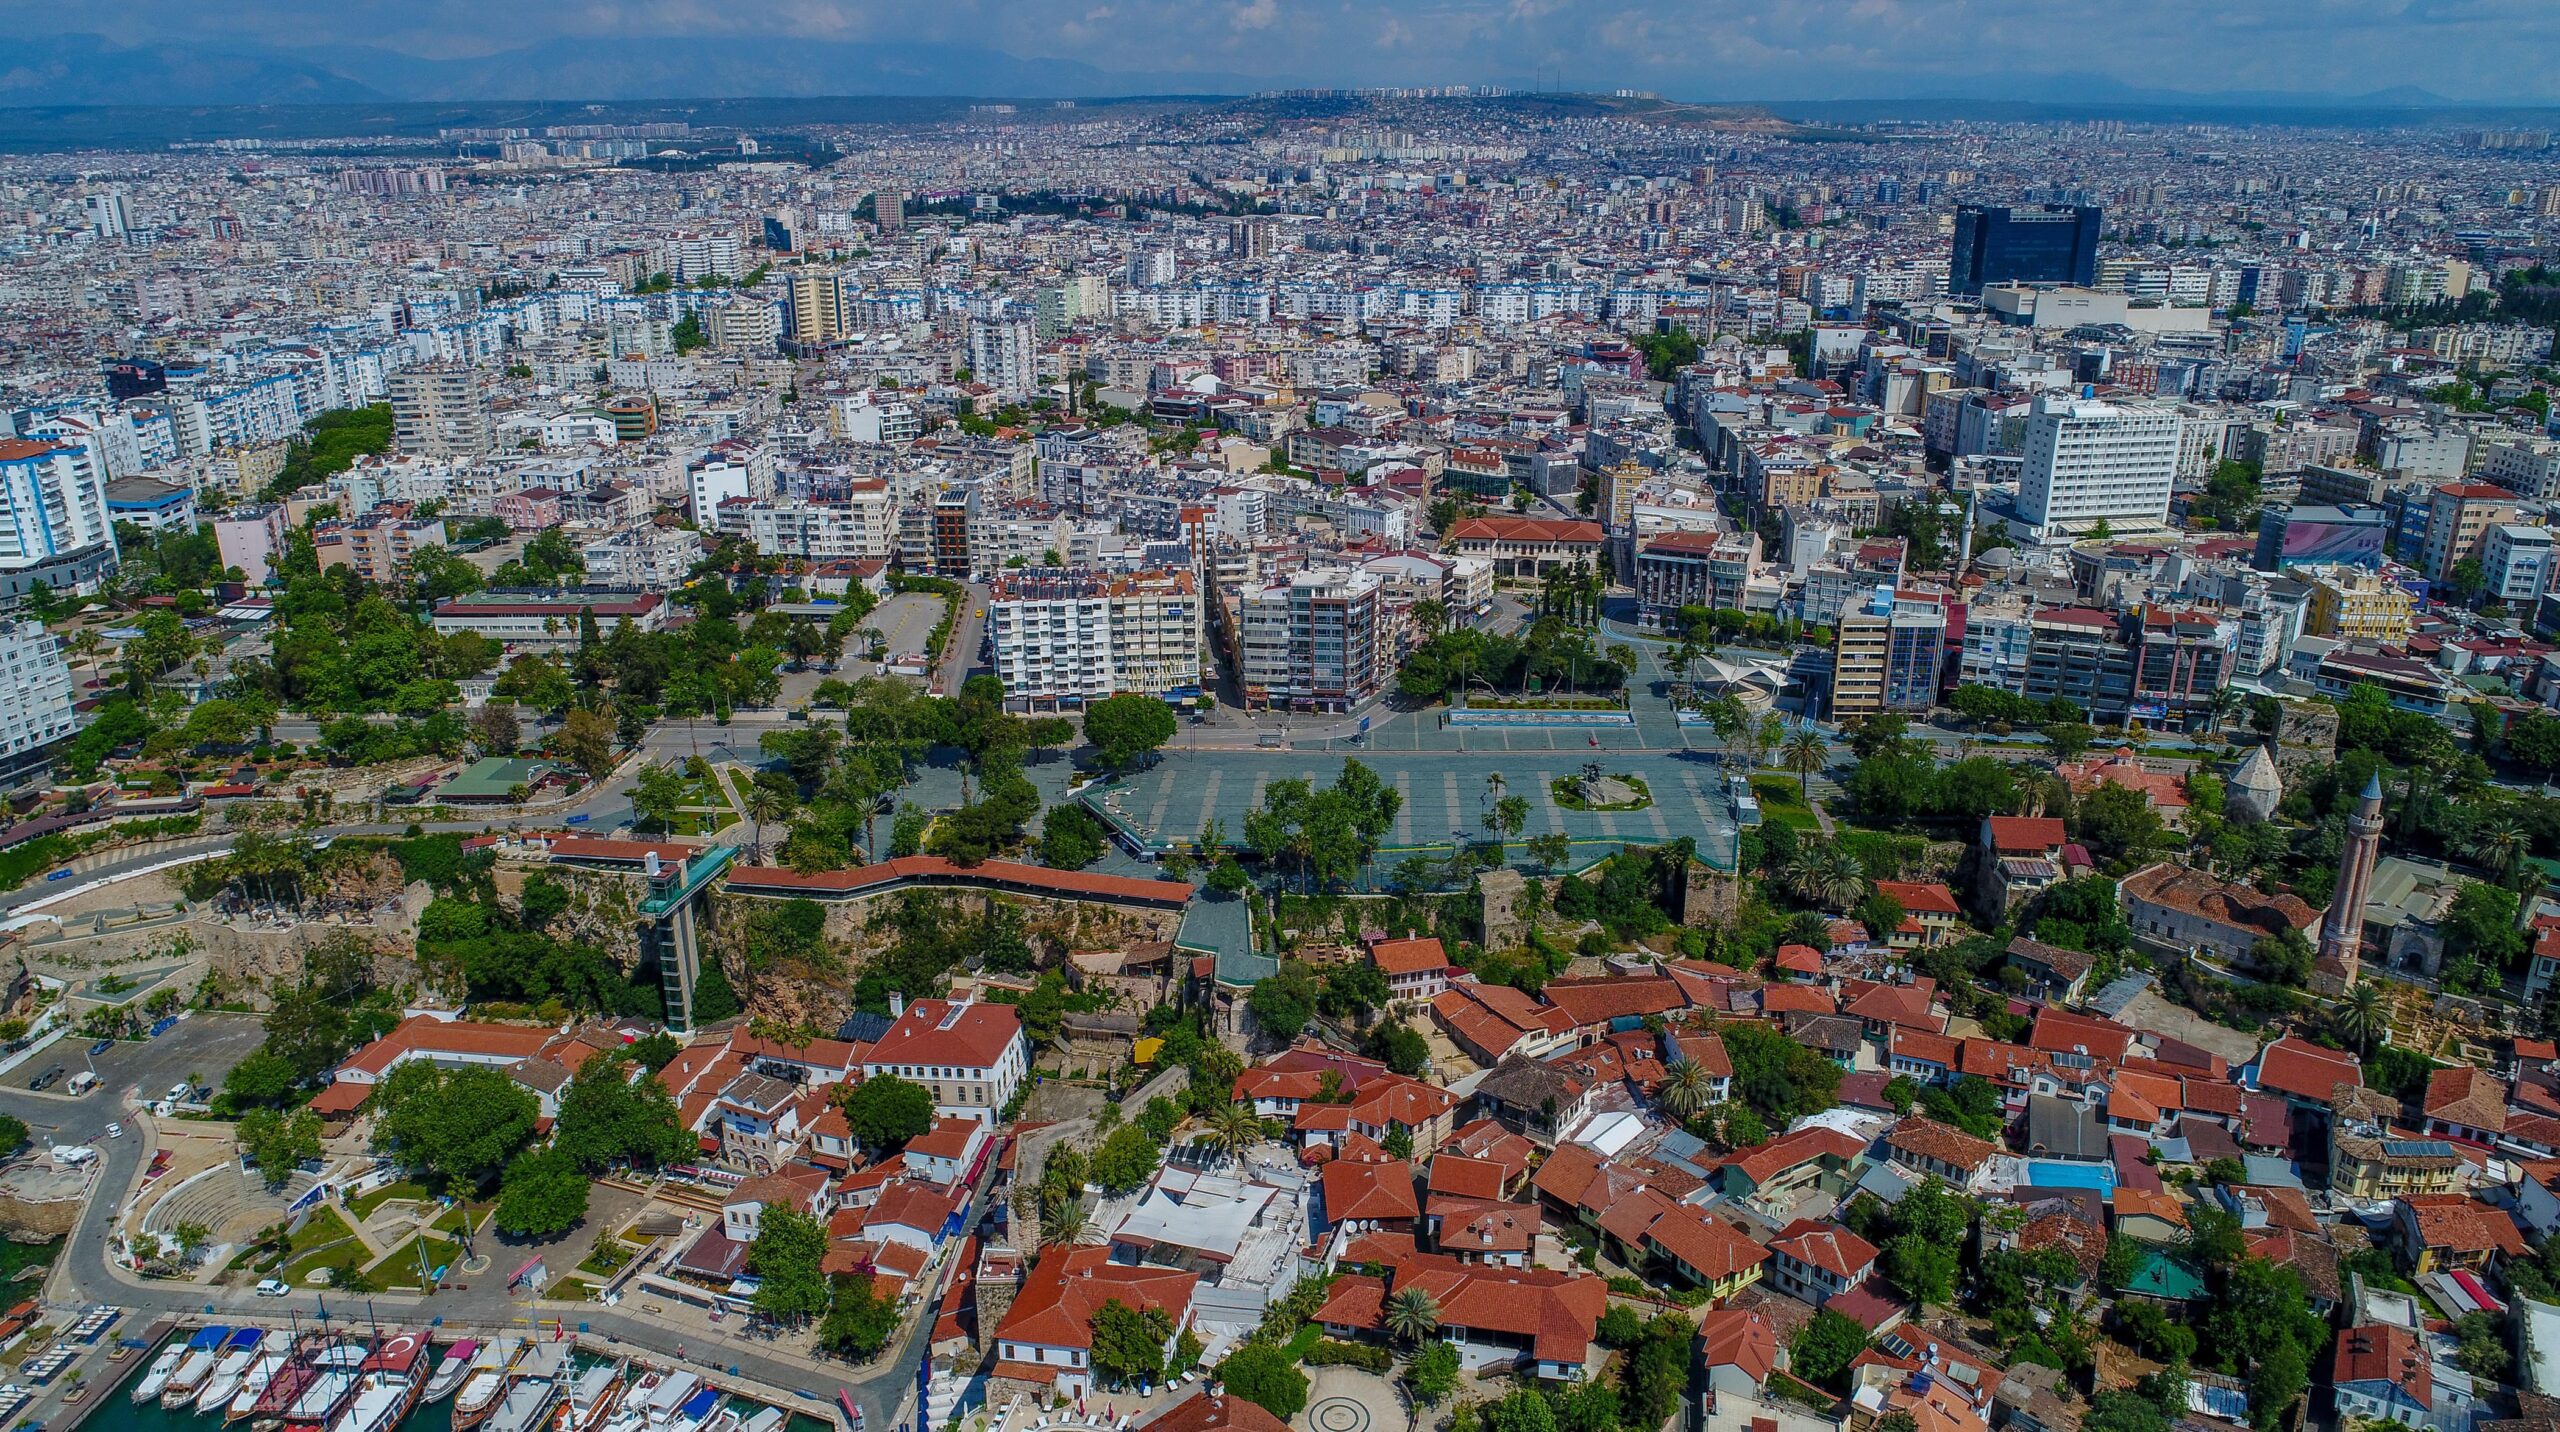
787, 1258
1071, 837
1126, 1160
1823, 1350
612, 1112
1654, 1378
1432, 1374
456, 1126
1126, 727
1129, 1343
859, 1322
1264, 1374
1283, 1002
1805, 753
1778, 1078
885, 1110
278, 1143
13, 1134
543, 1193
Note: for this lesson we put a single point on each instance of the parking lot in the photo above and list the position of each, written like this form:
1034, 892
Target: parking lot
132, 1072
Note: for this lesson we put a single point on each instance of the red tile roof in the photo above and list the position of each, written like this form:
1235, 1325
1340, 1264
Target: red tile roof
1408, 957
1373, 1192
2307, 1071
1068, 1286
2018, 834
1827, 1246
976, 1039
1526, 529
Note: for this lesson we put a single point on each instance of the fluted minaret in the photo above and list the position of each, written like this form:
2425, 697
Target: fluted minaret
2342, 936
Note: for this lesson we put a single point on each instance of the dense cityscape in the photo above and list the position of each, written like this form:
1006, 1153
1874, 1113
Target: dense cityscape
1510, 760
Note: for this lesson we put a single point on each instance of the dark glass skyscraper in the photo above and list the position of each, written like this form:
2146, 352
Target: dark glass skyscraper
2045, 244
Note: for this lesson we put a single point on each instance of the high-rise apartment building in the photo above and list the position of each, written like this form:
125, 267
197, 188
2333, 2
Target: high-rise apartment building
2459, 515
817, 307
2088, 462
1063, 636
860, 525
889, 211
1004, 356
1313, 642
2043, 244
35, 691
437, 411
108, 216
1888, 654
54, 525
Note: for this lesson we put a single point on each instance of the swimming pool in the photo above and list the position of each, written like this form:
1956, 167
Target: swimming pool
2096, 1176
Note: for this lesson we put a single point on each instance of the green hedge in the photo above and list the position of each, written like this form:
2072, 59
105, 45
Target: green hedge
1330, 1353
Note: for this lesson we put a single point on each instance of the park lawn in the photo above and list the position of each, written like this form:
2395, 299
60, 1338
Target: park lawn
569, 1287
363, 1205
320, 1253
399, 1267
461, 1218
610, 1256
1776, 791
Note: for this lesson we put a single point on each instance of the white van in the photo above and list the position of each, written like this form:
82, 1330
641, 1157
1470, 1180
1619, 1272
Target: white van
73, 1153
84, 1081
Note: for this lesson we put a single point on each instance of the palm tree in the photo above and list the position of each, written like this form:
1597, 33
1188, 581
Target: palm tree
1805, 753
1066, 1228
1410, 1315
1686, 1089
764, 803
2499, 844
1824, 873
1233, 1129
2363, 1017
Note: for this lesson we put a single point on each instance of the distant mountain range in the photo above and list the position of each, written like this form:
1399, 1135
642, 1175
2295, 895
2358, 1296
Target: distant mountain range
88, 70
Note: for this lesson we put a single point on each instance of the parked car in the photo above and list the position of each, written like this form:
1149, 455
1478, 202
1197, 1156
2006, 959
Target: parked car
272, 1288
101, 1047
115, 1131
180, 1092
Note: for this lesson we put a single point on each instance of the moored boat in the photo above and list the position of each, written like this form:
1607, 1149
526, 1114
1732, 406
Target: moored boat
592, 1394
387, 1386
485, 1383
286, 1387
536, 1386
337, 1368
237, 1355
204, 1351
253, 1385
767, 1419
155, 1379
695, 1411
450, 1371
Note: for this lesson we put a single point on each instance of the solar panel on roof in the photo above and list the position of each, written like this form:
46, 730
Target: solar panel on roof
2416, 1149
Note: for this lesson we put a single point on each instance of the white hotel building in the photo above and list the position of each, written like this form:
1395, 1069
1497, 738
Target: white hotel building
1063, 636
2088, 462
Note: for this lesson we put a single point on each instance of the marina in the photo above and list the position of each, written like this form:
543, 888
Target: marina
401, 1380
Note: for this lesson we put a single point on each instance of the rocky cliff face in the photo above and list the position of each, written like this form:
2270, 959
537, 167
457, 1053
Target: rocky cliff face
819, 993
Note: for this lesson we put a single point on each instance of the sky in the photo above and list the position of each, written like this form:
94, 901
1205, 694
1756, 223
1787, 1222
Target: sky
2486, 51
